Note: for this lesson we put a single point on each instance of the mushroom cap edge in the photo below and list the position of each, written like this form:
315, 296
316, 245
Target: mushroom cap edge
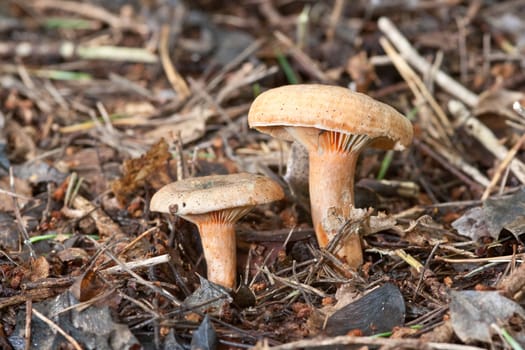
332, 108
199, 195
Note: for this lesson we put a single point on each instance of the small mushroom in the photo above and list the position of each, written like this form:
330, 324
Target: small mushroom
215, 203
335, 124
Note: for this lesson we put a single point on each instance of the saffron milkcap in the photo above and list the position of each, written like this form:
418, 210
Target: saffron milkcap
215, 203
334, 124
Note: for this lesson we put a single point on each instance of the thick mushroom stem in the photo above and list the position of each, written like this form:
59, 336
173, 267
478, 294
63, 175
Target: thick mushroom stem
219, 248
332, 161
332, 200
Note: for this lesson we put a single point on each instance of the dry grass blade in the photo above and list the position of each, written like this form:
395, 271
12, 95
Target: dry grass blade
410, 54
441, 123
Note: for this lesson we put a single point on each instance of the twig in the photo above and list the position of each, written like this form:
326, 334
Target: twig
294, 284
105, 225
257, 73
56, 328
94, 12
421, 92
503, 258
449, 167
301, 27
70, 50
146, 307
412, 56
502, 166
105, 117
512, 285
14, 195
199, 90
484, 135
506, 337
235, 62
19, 221
457, 161
9, 82
141, 280
109, 53
129, 85
334, 18
409, 259
425, 268
27, 335
131, 244
175, 79
302, 58
394, 343
260, 269
133, 265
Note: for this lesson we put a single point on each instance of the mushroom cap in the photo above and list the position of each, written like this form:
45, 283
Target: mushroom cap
331, 108
200, 195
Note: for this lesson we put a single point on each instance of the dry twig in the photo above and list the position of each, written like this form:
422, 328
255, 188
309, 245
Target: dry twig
410, 54
484, 135
174, 77
371, 341
56, 328
94, 12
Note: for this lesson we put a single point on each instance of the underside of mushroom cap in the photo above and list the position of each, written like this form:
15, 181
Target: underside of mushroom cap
206, 194
331, 108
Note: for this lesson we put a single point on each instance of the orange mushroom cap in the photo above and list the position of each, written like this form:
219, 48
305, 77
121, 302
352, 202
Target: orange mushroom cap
331, 108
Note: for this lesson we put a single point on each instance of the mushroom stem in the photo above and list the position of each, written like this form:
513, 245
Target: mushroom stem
219, 247
332, 200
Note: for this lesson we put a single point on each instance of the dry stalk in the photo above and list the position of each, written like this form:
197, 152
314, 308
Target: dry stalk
375, 341
174, 77
307, 63
456, 160
418, 88
93, 11
413, 58
56, 328
484, 135
502, 166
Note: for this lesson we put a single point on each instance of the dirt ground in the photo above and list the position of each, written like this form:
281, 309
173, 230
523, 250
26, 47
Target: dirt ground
102, 103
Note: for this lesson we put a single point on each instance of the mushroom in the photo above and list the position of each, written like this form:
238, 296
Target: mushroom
335, 124
215, 203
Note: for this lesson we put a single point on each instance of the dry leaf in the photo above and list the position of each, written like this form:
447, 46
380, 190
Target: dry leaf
137, 171
39, 269
473, 314
87, 286
495, 215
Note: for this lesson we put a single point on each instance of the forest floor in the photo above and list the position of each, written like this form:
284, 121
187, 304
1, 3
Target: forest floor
103, 103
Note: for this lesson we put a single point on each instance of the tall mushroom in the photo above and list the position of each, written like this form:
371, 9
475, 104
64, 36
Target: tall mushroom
215, 203
335, 125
